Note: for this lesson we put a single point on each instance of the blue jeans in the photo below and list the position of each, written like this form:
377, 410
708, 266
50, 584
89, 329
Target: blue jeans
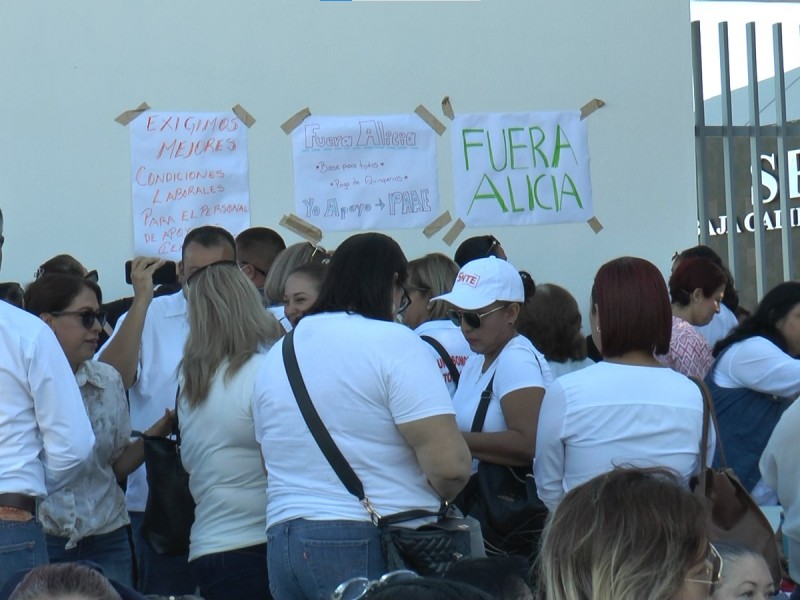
240, 573
22, 546
157, 574
111, 551
308, 559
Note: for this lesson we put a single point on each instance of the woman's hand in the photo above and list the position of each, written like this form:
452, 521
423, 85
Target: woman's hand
162, 427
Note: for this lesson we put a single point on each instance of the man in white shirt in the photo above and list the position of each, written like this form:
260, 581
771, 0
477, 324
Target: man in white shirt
146, 347
45, 433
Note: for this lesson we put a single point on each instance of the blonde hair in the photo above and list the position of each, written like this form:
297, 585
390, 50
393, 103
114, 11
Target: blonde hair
287, 261
629, 534
227, 322
436, 273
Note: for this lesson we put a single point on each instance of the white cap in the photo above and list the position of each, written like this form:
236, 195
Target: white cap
483, 282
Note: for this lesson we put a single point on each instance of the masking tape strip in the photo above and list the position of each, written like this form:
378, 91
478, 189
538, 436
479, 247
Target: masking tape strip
447, 108
294, 121
434, 123
437, 224
590, 107
596, 226
244, 116
454, 232
129, 115
304, 229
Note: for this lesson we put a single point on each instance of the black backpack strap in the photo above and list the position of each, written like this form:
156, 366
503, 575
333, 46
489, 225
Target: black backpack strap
483, 407
445, 356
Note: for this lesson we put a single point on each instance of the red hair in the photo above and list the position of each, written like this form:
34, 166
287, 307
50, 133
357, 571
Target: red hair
695, 273
633, 308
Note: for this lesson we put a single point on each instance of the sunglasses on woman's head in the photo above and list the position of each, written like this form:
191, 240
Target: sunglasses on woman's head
472, 319
87, 317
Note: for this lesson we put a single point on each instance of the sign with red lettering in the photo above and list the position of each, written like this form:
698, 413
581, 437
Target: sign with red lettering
521, 168
365, 172
187, 170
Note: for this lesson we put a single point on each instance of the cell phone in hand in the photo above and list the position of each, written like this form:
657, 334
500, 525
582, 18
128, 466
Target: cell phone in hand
163, 275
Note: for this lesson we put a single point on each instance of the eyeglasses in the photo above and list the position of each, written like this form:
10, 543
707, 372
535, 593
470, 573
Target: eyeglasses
712, 572
472, 319
405, 302
88, 317
252, 266
492, 246
356, 588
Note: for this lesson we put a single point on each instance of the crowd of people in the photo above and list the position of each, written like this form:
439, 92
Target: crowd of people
428, 377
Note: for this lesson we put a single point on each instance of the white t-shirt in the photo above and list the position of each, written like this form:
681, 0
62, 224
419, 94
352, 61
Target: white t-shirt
519, 365
758, 364
279, 312
364, 377
559, 369
449, 336
45, 433
223, 459
166, 328
610, 415
780, 468
720, 326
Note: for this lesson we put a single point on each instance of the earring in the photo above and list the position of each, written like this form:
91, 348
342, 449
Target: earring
597, 329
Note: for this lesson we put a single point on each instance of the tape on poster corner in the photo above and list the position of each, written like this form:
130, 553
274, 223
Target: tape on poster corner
454, 232
447, 108
590, 107
437, 224
129, 115
244, 116
304, 229
294, 121
596, 225
427, 116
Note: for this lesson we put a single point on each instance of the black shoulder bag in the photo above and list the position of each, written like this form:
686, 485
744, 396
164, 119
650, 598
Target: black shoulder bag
169, 513
503, 499
427, 550
445, 356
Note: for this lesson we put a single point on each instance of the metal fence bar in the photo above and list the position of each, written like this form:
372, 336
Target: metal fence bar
700, 134
783, 167
727, 148
792, 129
755, 161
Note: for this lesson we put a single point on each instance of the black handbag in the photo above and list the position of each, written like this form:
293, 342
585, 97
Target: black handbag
169, 513
503, 499
733, 515
427, 550
445, 356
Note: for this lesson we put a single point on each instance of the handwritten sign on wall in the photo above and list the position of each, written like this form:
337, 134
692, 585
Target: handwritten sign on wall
365, 172
187, 170
521, 168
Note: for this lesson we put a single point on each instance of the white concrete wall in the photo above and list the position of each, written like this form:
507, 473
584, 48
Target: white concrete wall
68, 68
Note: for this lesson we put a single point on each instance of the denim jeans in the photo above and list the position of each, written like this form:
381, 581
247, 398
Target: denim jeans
111, 551
22, 546
157, 574
308, 559
240, 574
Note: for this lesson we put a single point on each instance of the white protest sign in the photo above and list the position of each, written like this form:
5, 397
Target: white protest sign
187, 170
521, 168
365, 172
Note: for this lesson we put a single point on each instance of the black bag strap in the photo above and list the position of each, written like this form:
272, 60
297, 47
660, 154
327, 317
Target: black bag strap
445, 356
329, 448
483, 407
709, 411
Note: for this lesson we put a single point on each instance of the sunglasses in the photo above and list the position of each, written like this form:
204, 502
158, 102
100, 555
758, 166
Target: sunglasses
712, 573
405, 302
87, 317
356, 588
472, 319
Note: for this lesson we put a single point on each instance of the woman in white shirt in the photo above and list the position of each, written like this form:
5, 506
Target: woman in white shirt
429, 276
386, 408
755, 377
487, 297
228, 328
628, 409
87, 520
